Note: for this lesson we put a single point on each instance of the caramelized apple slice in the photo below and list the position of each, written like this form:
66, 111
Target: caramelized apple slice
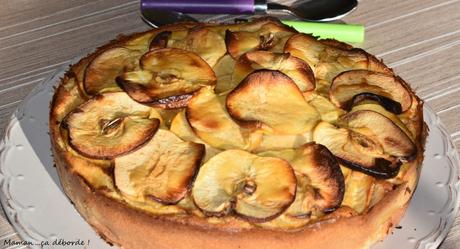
110, 125
385, 88
295, 68
263, 97
203, 41
393, 140
320, 182
182, 129
356, 151
255, 188
101, 72
207, 44
378, 107
209, 119
269, 36
358, 191
162, 169
328, 61
168, 78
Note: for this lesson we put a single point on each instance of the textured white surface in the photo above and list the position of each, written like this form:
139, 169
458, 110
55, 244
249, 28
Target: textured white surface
39, 211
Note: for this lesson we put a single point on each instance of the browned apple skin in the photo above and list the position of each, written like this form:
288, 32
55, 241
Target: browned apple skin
330, 170
392, 138
389, 90
295, 68
266, 34
96, 126
382, 168
94, 81
387, 103
339, 140
160, 40
122, 151
229, 174
176, 96
268, 79
181, 188
171, 102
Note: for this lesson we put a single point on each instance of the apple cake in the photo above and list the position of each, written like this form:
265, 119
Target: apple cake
246, 135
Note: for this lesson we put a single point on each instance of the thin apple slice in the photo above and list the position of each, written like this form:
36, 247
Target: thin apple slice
171, 36
393, 140
348, 84
356, 151
328, 61
376, 106
224, 69
276, 141
182, 129
168, 78
328, 111
255, 188
358, 191
110, 125
163, 169
387, 103
204, 41
295, 68
271, 36
262, 99
209, 119
320, 182
101, 72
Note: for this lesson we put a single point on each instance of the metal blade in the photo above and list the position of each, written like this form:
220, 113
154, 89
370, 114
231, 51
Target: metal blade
158, 18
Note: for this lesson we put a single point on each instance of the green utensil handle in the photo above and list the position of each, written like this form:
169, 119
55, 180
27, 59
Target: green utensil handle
341, 32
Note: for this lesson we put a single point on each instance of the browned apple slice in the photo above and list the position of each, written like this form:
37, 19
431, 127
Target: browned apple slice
328, 61
169, 38
392, 139
270, 98
320, 182
387, 103
269, 36
101, 72
224, 69
204, 41
182, 129
168, 78
378, 107
356, 151
110, 125
295, 68
209, 119
255, 188
163, 169
348, 84
358, 191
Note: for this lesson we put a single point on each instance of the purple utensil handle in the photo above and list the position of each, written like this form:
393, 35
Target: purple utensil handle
207, 6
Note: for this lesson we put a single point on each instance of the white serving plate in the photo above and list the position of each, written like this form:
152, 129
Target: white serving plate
40, 212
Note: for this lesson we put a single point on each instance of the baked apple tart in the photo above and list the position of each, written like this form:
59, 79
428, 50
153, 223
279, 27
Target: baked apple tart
247, 135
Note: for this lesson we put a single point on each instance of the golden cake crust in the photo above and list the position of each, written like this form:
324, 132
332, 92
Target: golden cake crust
120, 224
